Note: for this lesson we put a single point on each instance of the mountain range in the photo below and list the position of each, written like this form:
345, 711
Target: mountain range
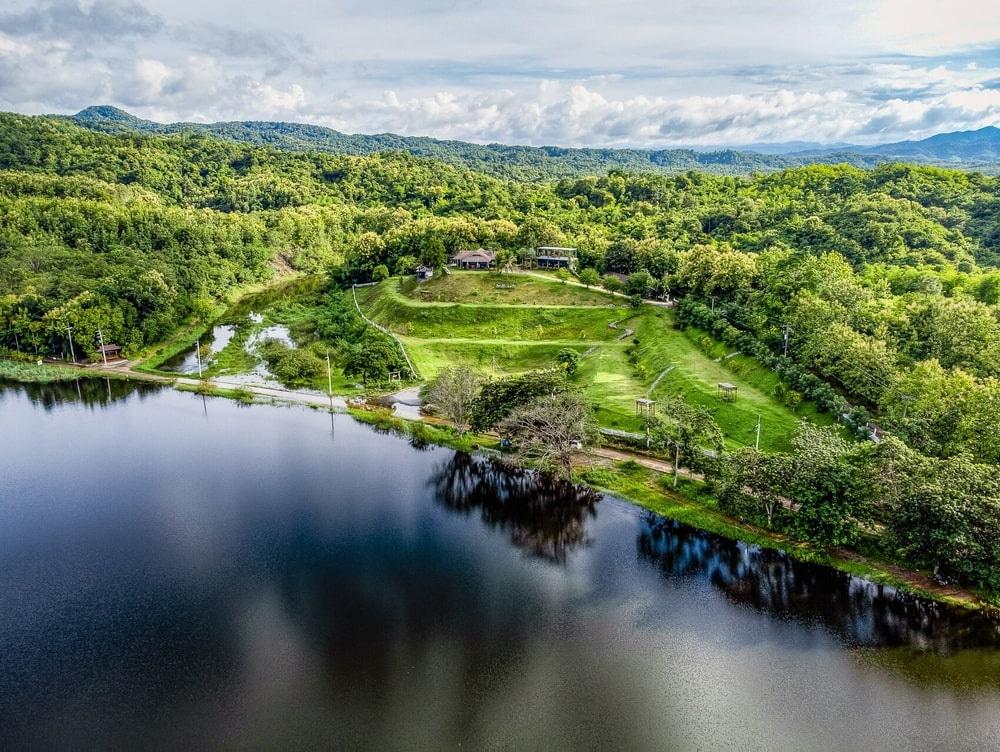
979, 149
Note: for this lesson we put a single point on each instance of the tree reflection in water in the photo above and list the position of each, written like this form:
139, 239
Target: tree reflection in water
862, 613
92, 392
545, 516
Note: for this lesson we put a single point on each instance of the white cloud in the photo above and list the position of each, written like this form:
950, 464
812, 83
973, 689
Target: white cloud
585, 72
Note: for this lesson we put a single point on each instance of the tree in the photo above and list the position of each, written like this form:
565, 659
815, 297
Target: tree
611, 283
949, 521
640, 284
454, 392
501, 397
569, 359
829, 510
590, 277
405, 265
549, 430
686, 431
506, 261
754, 483
433, 252
380, 273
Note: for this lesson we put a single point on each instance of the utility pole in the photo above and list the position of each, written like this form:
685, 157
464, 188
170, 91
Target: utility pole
712, 298
786, 329
197, 353
100, 338
329, 375
69, 331
756, 444
907, 399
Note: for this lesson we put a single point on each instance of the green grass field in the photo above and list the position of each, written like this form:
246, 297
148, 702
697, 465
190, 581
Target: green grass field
502, 289
465, 319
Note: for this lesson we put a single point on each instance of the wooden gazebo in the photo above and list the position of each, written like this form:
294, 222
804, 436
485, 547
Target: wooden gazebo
727, 391
110, 351
645, 407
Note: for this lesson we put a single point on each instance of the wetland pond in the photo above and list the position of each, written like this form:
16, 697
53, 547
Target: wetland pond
182, 572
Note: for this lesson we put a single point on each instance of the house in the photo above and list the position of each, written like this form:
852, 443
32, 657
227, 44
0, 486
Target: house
109, 351
477, 259
554, 257
424, 272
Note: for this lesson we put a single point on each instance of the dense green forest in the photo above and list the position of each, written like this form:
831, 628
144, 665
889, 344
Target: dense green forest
964, 149
523, 162
872, 292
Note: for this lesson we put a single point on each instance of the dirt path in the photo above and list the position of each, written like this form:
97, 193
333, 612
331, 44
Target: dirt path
619, 455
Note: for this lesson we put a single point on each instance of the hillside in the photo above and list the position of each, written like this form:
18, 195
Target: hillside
970, 149
514, 161
871, 294
979, 147
626, 353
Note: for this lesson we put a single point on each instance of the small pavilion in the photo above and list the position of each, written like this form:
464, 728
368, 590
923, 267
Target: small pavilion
645, 407
727, 391
110, 351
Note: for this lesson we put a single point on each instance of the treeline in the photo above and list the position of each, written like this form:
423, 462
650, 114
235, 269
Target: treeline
942, 515
519, 162
870, 277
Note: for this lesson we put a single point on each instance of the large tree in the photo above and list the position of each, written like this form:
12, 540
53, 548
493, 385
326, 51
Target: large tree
550, 429
501, 397
453, 393
687, 432
755, 483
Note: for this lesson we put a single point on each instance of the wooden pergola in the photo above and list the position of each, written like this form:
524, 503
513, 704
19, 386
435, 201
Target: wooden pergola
645, 407
727, 391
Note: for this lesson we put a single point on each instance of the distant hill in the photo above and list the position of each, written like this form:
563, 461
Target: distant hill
982, 145
978, 147
517, 161
970, 149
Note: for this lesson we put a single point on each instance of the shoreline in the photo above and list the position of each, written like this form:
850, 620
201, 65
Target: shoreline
630, 479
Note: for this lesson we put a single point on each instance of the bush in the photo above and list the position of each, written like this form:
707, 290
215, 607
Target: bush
292, 367
590, 277
611, 283
569, 359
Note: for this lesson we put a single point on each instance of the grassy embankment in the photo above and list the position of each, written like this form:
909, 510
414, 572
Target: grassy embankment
31, 373
691, 503
510, 323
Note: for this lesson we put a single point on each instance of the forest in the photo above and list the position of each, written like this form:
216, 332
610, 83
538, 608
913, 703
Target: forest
872, 292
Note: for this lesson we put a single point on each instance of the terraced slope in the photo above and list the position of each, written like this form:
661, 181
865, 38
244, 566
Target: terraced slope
512, 323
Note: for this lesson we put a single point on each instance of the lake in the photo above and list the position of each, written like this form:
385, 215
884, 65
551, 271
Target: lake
182, 572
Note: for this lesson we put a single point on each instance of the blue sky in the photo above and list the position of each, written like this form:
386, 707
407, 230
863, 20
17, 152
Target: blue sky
581, 73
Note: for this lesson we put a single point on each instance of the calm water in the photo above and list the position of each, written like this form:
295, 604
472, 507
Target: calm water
184, 573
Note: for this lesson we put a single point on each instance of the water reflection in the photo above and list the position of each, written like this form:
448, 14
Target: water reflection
545, 516
862, 613
92, 392
243, 582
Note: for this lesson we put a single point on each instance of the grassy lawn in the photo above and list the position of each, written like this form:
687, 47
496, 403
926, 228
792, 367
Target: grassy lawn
410, 318
493, 358
502, 289
695, 374
496, 338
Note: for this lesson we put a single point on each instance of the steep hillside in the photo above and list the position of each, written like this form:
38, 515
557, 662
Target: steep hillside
625, 352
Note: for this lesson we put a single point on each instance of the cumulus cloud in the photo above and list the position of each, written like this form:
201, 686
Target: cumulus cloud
635, 73
100, 21
573, 115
